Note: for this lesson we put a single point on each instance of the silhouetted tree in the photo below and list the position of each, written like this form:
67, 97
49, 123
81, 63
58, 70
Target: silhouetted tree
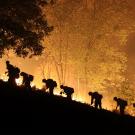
50, 84
121, 104
13, 73
96, 99
22, 26
68, 91
27, 79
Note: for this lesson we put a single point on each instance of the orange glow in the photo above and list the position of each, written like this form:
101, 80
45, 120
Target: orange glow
80, 99
32, 84
18, 81
4, 77
83, 99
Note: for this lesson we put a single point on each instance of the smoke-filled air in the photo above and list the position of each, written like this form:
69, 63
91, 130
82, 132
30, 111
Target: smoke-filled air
91, 48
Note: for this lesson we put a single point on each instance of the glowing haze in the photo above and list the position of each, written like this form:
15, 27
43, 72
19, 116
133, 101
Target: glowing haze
90, 49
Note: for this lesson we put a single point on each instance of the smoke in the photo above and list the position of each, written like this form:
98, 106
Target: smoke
87, 49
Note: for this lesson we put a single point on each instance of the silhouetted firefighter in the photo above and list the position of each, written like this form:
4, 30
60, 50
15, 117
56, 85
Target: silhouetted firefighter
121, 104
96, 99
27, 79
13, 73
50, 84
68, 91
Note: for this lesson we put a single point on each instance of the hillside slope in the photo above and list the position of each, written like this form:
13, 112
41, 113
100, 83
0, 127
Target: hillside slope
37, 111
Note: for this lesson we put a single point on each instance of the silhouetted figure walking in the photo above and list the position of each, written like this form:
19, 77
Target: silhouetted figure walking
50, 84
13, 73
121, 104
27, 79
96, 99
68, 91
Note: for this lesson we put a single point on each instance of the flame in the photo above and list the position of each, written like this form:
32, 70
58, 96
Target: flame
18, 81
4, 77
79, 98
32, 84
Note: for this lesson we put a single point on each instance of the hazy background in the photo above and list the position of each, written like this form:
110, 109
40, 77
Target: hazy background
91, 49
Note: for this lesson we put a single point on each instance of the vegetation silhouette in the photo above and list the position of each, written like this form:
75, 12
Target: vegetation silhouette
68, 91
22, 26
121, 104
96, 99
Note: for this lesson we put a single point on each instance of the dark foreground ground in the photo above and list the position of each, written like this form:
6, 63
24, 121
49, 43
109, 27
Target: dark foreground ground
35, 111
